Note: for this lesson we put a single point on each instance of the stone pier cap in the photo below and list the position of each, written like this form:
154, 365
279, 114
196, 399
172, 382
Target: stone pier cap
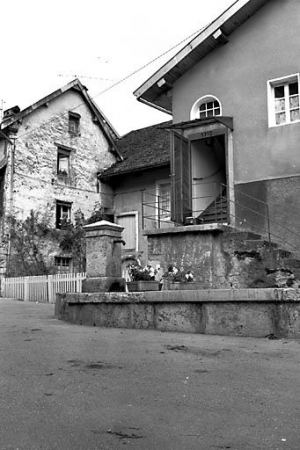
103, 228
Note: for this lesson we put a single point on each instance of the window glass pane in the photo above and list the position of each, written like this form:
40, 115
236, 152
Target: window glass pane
202, 115
293, 88
210, 105
210, 113
279, 104
63, 164
217, 111
294, 101
280, 118
295, 115
279, 91
202, 107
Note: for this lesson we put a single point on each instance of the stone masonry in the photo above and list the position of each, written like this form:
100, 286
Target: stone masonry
32, 181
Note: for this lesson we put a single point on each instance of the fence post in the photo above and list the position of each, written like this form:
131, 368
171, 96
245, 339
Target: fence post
26, 289
50, 288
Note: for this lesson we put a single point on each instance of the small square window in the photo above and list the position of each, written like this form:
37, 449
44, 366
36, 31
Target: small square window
74, 123
63, 264
63, 214
284, 105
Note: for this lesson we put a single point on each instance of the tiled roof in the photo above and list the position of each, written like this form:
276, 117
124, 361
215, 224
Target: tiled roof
141, 149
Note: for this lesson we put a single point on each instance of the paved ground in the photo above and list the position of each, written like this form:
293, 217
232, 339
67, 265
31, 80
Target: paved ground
73, 387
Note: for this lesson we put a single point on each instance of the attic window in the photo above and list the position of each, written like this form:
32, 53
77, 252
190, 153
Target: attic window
74, 123
205, 107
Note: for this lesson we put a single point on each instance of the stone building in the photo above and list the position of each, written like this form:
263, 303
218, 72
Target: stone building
50, 155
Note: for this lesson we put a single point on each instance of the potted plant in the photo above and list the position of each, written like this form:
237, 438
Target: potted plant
142, 278
179, 279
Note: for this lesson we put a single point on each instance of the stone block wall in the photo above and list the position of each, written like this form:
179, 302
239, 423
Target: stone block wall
245, 312
224, 258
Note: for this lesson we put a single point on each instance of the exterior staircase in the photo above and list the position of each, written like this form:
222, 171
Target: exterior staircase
261, 264
216, 212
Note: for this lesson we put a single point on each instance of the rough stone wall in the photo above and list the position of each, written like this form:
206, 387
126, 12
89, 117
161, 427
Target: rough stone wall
228, 259
36, 184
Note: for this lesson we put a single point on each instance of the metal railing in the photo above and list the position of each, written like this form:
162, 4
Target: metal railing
225, 205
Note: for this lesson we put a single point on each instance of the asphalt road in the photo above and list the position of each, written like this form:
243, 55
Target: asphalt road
74, 387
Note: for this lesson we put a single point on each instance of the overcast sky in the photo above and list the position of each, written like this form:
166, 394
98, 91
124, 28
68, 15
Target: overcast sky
46, 43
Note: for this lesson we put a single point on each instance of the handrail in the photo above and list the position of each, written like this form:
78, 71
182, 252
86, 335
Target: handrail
264, 230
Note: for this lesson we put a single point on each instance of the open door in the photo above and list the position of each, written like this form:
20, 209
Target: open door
181, 178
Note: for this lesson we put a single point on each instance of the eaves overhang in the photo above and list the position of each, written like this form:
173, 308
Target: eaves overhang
157, 90
106, 177
227, 121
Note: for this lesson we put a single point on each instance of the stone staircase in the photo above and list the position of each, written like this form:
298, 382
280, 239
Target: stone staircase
260, 264
216, 212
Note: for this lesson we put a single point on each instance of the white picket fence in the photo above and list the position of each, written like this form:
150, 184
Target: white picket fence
42, 288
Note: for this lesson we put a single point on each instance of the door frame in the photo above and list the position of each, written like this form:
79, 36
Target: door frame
204, 131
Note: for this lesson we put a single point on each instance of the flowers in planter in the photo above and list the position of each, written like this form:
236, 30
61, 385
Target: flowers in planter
139, 273
174, 274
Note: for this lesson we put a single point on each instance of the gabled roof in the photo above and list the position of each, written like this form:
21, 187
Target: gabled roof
143, 149
106, 127
157, 90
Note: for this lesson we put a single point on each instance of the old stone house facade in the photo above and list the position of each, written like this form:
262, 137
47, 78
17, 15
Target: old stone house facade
50, 156
233, 93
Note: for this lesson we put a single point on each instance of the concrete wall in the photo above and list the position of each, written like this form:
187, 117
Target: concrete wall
221, 258
264, 48
249, 312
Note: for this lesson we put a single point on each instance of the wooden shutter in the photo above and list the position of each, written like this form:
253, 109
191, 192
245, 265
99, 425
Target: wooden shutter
181, 178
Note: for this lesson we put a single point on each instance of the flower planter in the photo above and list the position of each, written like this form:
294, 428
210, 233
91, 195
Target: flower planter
181, 286
142, 285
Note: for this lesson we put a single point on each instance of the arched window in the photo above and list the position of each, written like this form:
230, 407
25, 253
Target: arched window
204, 107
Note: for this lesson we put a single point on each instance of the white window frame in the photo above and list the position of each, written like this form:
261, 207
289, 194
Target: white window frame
283, 81
159, 183
132, 213
195, 111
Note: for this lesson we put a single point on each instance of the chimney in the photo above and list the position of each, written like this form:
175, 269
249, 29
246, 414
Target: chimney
11, 112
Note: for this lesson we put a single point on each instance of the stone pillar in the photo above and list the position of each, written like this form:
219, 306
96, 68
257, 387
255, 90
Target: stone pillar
103, 257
